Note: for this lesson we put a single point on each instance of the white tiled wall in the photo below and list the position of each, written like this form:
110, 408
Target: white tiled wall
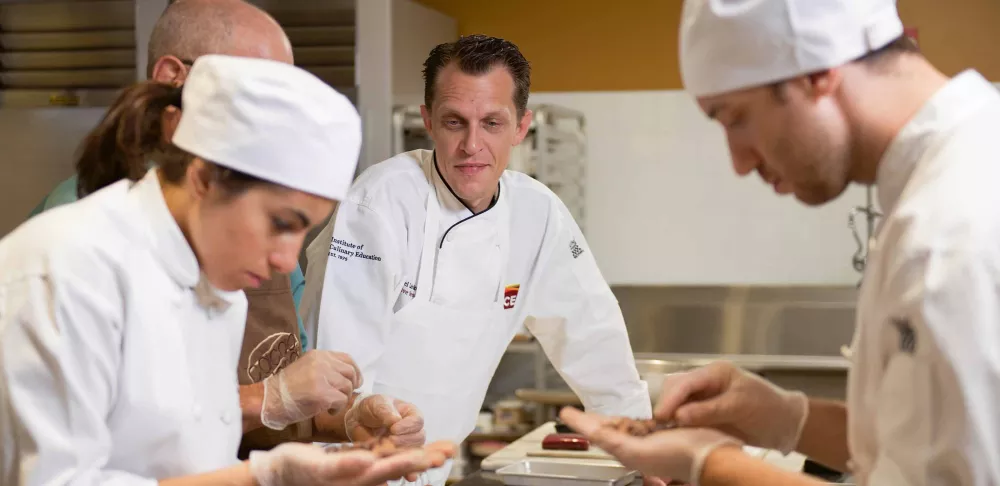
665, 207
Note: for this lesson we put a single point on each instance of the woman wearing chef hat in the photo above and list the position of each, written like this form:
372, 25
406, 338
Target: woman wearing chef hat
121, 316
814, 95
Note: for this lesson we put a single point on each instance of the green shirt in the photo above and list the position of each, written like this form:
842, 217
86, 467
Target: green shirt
65, 193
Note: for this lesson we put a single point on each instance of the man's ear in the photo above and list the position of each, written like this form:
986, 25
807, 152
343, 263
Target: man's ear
169, 70
523, 126
425, 113
825, 83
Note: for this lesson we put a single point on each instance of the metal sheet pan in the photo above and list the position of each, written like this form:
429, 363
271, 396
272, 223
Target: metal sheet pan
540, 472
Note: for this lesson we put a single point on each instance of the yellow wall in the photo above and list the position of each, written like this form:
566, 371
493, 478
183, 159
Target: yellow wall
957, 34
603, 45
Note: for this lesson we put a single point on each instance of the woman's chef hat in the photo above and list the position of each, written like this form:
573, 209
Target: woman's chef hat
728, 45
270, 120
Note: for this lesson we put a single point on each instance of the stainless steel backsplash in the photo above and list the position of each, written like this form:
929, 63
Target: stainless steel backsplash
785, 321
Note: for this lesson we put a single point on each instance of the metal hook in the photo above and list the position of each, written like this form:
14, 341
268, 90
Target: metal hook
860, 256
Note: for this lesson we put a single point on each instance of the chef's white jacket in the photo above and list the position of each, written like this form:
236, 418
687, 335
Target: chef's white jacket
364, 266
116, 358
924, 389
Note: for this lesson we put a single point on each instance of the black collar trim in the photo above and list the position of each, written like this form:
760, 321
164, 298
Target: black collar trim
493, 202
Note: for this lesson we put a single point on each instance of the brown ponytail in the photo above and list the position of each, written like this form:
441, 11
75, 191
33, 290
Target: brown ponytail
128, 137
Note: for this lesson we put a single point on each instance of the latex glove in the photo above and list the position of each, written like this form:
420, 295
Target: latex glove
380, 416
316, 382
736, 402
298, 464
678, 453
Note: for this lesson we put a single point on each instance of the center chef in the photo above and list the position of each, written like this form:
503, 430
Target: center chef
436, 258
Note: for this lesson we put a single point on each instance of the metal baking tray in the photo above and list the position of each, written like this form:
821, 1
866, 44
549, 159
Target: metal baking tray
534, 472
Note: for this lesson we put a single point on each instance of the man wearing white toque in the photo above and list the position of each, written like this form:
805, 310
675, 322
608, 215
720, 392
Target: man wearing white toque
814, 95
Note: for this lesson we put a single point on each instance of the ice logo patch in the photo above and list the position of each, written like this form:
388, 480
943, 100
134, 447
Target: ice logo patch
510, 296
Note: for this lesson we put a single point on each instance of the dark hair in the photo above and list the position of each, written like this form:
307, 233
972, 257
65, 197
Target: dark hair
875, 59
901, 45
477, 55
130, 137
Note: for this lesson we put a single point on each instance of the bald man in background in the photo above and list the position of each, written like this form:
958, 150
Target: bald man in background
291, 395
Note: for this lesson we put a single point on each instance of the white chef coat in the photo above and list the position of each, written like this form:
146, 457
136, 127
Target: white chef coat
117, 357
363, 277
924, 389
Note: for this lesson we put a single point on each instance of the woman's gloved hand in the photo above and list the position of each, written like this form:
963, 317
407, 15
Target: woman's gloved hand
297, 464
318, 381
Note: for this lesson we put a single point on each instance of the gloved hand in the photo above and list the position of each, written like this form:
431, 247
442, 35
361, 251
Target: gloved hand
678, 454
380, 416
318, 381
736, 402
298, 464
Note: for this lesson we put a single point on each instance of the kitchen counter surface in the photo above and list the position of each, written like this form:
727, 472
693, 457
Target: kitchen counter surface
483, 478
480, 478
531, 445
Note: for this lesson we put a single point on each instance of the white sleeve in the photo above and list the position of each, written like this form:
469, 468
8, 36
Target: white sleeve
936, 408
59, 357
359, 287
575, 317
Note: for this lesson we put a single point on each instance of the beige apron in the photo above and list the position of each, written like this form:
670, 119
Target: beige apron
270, 343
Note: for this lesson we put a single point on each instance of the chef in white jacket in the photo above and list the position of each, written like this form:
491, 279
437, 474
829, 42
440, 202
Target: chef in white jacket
436, 258
814, 95
121, 315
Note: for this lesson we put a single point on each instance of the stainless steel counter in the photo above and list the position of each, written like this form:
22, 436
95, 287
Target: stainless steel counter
482, 478
791, 335
752, 362
817, 376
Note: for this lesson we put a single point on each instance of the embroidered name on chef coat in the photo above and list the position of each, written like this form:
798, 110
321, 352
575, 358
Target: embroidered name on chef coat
409, 289
345, 250
907, 336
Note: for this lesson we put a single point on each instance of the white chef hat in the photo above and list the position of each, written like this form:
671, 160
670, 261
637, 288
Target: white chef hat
728, 45
270, 120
